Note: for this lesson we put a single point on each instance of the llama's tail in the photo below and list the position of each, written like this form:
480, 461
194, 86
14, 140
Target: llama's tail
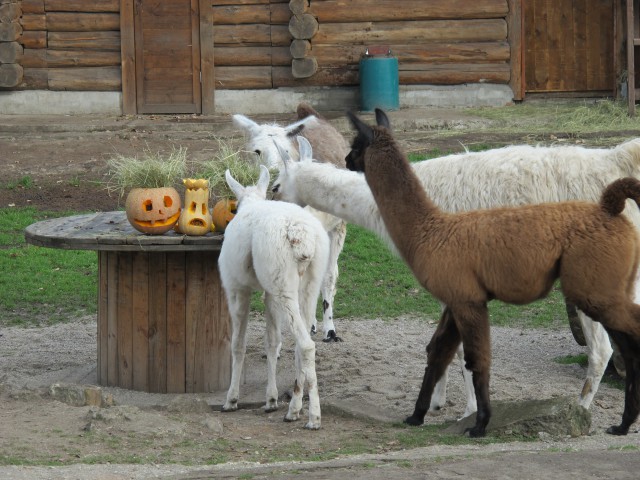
614, 196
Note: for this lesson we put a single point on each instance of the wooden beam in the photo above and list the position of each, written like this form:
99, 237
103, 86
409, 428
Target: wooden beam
128, 58
207, 57
82, 6
516, 41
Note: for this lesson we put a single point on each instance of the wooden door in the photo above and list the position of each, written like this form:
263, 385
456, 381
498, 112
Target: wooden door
167, 56
568, 46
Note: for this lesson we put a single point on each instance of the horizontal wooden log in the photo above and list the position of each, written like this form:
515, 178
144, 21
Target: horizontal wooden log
277, 35
10, 12
280, 14
10, 75
10, 32
251, 56
42, 58
34, 21
345, 11
454, 74
241, 78
10, 52
303, 27
32, 6
216, 3
105, 41
82, 22
239, 14
337, 55
491, 30
304, 67
89, 79
34, 39
35, 79
335, 77
82, 6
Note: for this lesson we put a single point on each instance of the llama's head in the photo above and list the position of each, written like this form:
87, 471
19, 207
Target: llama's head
252, 192
265, 140
285, 187
364, 138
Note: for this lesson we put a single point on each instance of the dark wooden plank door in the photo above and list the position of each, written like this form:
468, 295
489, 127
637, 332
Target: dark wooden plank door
167, 56
568, 45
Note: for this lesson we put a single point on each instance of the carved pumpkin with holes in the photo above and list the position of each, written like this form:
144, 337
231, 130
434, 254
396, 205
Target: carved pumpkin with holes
195, 218
153, 210
223, 212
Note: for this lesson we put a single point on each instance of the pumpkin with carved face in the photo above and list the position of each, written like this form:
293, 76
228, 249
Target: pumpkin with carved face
153, 210
195, 218
223, 212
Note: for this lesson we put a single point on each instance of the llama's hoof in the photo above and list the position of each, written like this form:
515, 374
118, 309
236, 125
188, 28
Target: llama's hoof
271, 406
230, 406
332, 337
475, 432
414, 421
291, 417
312, 425
313, 330
617, 430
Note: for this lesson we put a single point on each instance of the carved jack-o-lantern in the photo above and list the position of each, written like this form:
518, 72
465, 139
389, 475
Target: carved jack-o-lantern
195, 218
153, 210
223, 212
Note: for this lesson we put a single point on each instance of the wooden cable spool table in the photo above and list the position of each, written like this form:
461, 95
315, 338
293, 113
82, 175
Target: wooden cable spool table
163, 321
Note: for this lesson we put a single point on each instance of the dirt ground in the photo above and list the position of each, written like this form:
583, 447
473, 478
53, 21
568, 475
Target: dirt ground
366, 383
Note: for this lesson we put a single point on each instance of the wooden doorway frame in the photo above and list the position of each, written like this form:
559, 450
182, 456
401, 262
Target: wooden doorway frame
128, 61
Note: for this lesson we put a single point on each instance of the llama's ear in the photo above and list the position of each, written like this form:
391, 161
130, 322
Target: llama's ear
361, 127
263, 181
235, 187
305, 149
297, 127
382, 120
244, 123
284, 154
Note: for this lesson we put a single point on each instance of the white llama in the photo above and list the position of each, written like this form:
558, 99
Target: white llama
329, 146
454, 186
283, 250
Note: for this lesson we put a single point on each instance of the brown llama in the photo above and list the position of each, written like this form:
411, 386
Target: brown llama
510, 254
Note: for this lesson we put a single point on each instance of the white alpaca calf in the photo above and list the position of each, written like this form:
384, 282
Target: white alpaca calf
281, 249
329, 146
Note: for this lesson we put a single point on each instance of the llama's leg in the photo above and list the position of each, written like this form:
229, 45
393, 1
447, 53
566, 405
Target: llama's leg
440, 352
439, 396
599, 352
272, 344
473, 324
239, 311
630, 351
328, 289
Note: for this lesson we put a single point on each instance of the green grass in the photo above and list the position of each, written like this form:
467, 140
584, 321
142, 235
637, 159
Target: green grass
41, 285
48, 285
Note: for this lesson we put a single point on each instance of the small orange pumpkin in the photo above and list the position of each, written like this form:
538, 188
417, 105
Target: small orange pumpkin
223, 212
153, 210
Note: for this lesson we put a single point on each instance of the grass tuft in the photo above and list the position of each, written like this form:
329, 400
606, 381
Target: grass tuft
152, 170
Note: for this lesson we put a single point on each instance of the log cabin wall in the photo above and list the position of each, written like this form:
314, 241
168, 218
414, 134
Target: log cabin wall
70, 45
440, 42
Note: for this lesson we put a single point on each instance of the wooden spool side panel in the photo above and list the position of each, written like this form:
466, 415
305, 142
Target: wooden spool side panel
158, 323
112, 319
125, 321
140, 289
222, 329
176, 330
195, 322
103, 324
